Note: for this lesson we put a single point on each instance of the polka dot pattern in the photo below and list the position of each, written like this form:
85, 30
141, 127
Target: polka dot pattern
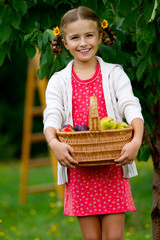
96, 191
81, 95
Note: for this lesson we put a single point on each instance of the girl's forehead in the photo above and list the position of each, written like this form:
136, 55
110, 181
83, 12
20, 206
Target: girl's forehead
81, 25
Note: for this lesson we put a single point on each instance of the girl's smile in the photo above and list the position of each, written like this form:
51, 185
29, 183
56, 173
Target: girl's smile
82, 39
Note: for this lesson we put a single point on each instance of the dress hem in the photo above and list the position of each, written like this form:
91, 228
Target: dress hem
96, 214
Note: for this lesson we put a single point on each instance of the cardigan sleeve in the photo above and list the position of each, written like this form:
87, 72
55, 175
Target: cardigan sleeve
128, 105
54, 114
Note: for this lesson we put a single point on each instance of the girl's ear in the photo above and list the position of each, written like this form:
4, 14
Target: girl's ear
65, 43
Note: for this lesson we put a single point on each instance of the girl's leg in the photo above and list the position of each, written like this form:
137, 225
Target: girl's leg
90, 227
113, 226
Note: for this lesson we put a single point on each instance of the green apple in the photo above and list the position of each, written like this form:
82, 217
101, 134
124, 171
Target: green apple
108, 123
122, 125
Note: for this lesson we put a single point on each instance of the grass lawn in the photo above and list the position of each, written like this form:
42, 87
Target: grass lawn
42, 217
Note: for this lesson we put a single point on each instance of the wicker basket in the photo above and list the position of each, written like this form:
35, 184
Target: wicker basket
96, 146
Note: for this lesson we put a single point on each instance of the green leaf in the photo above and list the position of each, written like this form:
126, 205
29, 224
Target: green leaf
129, 19
103, 49
30, 50
20, 6
142, 46
40, 41
57, 65
50, 34
93, 4
5, 31
2, 11
124, 7
144, 153
28, 36
150, 10
2, 55
141, 68
45, 59
15, 20
45, 38
156, 96
148, 80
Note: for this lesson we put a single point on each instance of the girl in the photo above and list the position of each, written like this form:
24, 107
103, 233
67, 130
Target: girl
98, 196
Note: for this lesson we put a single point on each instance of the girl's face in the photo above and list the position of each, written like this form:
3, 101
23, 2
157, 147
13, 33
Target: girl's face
82, 39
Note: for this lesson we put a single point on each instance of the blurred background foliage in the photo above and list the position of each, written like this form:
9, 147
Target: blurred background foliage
26, 24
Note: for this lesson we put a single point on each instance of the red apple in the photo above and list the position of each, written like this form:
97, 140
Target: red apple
69, 126
67, 129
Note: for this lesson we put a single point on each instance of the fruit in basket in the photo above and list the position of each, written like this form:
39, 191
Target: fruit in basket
66, 126
69, 126
108, 123
76, 128
122, 125
84, 127
67, 129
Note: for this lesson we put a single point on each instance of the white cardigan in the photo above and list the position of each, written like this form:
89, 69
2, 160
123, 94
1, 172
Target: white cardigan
119, 99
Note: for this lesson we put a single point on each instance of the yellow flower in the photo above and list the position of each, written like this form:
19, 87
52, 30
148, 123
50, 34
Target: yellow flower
56, 31
104, 24
52, 194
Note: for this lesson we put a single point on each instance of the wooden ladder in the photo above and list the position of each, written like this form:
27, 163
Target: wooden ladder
33, 84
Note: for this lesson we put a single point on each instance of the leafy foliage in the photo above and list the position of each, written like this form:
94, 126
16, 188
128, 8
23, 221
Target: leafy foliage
28, 24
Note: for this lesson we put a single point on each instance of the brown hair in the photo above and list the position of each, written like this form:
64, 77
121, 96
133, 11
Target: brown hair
73, 15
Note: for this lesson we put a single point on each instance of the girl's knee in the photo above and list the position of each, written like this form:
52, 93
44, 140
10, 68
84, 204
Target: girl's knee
92, 237
113, 236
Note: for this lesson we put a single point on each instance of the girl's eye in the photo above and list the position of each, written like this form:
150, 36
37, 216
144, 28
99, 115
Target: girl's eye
89, 35
74, 38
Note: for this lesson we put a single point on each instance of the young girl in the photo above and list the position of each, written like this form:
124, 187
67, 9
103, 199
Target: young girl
98, 196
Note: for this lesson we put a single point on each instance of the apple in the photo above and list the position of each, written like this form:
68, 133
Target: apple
108, 123
66, 126
67, 129
69, 125
122, 125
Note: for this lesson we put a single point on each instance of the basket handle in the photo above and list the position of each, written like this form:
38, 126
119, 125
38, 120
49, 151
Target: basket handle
94, 120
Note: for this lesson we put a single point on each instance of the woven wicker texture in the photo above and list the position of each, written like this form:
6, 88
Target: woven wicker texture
96, 147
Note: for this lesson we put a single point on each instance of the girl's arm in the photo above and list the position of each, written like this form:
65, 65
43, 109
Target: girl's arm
63, 152
130, 150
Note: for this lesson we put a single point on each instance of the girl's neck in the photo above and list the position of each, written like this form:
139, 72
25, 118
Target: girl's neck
85, 70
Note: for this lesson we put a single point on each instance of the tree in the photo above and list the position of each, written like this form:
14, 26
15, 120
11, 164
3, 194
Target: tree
26, 24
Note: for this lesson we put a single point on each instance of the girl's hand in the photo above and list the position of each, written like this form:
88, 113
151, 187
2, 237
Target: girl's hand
64, 153
128, 153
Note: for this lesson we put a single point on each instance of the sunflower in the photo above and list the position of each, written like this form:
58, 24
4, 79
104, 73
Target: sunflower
56, 31
104, 24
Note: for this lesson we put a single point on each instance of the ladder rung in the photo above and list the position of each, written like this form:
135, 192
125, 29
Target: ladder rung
37, 111
40, 162
41, 188
37, 137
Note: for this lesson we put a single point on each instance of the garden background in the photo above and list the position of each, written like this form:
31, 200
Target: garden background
24, 24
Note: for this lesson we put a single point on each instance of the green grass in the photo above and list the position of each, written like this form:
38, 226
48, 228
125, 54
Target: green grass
42, 217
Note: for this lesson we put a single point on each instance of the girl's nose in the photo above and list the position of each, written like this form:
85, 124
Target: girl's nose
83, 42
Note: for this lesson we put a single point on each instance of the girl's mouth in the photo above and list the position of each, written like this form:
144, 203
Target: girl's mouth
84, 51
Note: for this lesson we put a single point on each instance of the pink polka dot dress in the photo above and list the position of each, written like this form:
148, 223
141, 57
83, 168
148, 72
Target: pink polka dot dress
94, 190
